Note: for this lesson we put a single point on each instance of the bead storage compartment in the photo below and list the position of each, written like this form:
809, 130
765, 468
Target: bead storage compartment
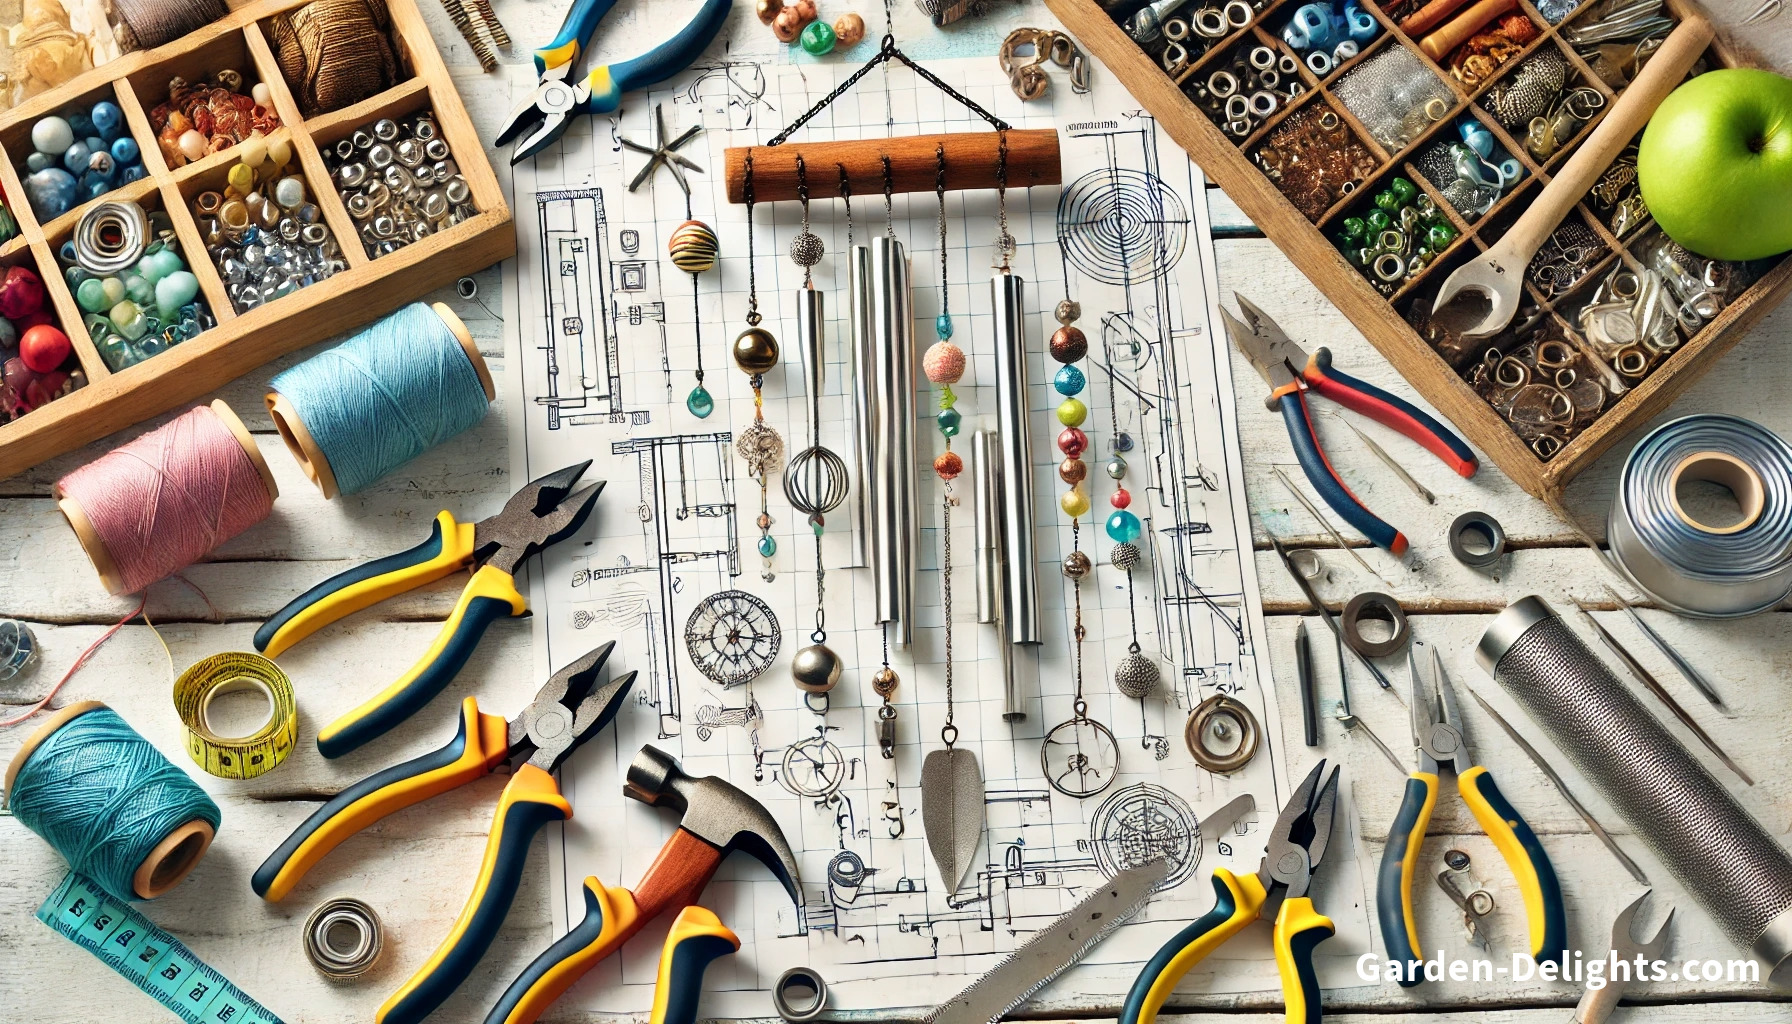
398, 179
204, 102
73, 154
1315, 164
136, 289
261, 225
38, 364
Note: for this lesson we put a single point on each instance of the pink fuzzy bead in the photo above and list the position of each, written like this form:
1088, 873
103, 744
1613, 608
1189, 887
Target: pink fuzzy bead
943, 363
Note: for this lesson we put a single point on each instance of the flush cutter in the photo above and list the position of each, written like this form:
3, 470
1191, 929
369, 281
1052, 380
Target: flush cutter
545, 115
1437, 736
1291, 373
568, 710
1296, 845
542, 513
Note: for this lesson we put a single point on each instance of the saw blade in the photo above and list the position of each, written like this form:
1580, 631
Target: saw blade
1053, 950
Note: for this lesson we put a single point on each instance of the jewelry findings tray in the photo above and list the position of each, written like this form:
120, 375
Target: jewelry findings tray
137, 81
1314, 243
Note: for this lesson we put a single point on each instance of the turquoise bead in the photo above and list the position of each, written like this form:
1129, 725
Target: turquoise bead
175, 291
767, 546
1069, 381
949, 420
700, 404
139, 290
91, 295
942, 326
1123, 527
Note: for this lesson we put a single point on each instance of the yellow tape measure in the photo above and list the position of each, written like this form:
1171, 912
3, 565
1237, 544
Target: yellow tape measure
236, 757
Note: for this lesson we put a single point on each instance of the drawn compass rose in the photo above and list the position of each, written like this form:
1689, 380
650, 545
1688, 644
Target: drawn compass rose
664, 153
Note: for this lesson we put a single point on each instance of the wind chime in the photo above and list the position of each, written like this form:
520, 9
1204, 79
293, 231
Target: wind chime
882, 358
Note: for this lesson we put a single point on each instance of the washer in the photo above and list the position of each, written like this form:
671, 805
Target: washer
1485, 526
800, 994
343, 939
1222, 734
1374, 605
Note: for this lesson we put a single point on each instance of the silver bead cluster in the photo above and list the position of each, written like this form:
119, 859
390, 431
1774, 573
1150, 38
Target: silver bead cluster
399, 181
279, 246
1253, 85
1396, 95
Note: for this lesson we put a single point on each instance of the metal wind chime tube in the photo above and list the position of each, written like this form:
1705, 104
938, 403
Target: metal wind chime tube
864, 402
1020, 601
986, 486
811, 328
895, 515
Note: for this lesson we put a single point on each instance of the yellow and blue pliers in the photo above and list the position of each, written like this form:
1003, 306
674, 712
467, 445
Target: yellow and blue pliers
1278, 890
1437, 735
544, 116
568, 710
544, 512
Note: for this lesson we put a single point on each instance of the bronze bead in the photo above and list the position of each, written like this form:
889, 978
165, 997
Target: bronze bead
883, 682
1073, 471
767, 10
755, 351
1069, 344
1076, 565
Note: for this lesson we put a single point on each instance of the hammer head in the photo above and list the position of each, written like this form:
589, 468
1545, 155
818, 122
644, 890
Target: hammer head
716, 812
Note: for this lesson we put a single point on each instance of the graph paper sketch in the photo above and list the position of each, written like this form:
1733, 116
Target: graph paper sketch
1127, 237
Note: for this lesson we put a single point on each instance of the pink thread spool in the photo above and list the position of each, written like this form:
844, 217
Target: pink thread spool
168, 499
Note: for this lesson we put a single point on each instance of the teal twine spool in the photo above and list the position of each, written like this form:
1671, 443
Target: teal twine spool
108, 801
362, 409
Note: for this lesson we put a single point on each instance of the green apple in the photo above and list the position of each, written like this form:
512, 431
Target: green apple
1715, 164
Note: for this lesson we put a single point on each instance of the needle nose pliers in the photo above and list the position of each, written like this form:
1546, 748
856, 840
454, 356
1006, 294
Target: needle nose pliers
1437, 735
1291, 373
542, 513
547, 112
1296, 846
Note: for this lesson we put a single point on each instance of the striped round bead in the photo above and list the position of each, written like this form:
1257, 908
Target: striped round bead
693, 247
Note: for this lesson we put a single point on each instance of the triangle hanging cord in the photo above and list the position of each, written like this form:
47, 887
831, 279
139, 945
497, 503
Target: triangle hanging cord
886, 53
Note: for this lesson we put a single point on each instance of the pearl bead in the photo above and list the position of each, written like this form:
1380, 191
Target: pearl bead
52, 135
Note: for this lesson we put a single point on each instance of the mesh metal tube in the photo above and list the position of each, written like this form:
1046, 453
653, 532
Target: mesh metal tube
1720, 854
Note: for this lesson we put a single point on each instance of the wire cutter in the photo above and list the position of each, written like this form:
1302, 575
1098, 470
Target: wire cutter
543, 513
1296, 846
1291, 373
547, 112
1437, 735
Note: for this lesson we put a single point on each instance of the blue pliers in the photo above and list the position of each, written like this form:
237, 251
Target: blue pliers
545, 114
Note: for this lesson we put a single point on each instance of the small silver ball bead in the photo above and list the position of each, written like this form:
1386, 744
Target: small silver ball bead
807, 249
1136, 676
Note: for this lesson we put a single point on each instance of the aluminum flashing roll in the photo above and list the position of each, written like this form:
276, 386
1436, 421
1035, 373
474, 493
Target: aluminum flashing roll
1719, 853
1020, 603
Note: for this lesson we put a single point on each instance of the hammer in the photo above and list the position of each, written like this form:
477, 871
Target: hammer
716, 819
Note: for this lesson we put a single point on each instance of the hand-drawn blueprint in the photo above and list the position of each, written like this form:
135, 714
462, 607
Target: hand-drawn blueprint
608, 339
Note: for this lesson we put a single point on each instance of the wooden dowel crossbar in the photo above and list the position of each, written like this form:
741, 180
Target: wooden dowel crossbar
971, 162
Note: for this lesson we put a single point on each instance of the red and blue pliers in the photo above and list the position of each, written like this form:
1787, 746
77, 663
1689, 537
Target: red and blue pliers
1291, 373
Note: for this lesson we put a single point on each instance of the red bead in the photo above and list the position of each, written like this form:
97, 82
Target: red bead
21, 293
1072, 442
1120, 498
948, 465
43, 348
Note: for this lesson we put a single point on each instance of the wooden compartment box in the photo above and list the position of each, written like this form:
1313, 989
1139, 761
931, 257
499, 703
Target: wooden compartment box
369, 288
1309, 241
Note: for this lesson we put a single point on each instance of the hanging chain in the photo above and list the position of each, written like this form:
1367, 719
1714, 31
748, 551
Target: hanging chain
949, 732
887, 53
1004, 241
939, 189
889, 199
753, 317
820, 635
1080, 706
697, 325
802, 196
846, 197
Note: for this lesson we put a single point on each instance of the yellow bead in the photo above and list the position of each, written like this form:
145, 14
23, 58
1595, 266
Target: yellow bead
241, 181
1074, 503
1072, 412
279, 150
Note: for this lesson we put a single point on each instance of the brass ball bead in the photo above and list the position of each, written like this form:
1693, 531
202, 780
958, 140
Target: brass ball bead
1076, 565
884, 680
755, 351
1073, 471
816, 669
767, 10
1069, 344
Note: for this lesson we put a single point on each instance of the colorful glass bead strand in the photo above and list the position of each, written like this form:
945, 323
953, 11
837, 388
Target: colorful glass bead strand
1136, 676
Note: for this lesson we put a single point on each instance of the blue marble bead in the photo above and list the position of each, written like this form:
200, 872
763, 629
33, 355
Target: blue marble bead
1069, 380
1123, 527
81, 124
74, 158
125, 150
93, 186
107, 119
700, 403
38, 161
51, 192
942, 326
767, 546
134, 172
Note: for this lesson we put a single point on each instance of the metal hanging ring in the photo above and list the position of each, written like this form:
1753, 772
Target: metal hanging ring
1213, 719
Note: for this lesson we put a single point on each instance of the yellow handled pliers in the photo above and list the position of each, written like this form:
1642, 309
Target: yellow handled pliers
542, 513
1277, 891
1437, 735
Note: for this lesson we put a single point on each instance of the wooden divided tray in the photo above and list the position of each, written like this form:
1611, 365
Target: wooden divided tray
1310, 243
240, 341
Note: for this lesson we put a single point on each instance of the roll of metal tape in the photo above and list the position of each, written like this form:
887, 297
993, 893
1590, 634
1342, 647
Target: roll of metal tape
1714, 570
1374, 606
1485, 526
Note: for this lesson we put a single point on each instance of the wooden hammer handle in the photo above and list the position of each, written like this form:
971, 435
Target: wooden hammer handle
1660, 76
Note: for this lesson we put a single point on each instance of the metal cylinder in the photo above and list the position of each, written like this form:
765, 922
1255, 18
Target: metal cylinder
812, 332
1720, 854
986, 486
864, 402
1020, 597
895, 517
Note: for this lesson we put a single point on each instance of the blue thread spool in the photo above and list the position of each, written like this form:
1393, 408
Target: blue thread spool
362, 409
108, 801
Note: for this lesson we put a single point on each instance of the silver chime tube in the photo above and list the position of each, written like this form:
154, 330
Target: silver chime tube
1020, 600
811, 328
864, 388
895, 516
986, 487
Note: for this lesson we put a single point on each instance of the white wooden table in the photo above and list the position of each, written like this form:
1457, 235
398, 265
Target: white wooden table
416, 866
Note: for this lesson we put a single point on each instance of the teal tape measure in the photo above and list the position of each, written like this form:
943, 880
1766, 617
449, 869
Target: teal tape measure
147, 956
